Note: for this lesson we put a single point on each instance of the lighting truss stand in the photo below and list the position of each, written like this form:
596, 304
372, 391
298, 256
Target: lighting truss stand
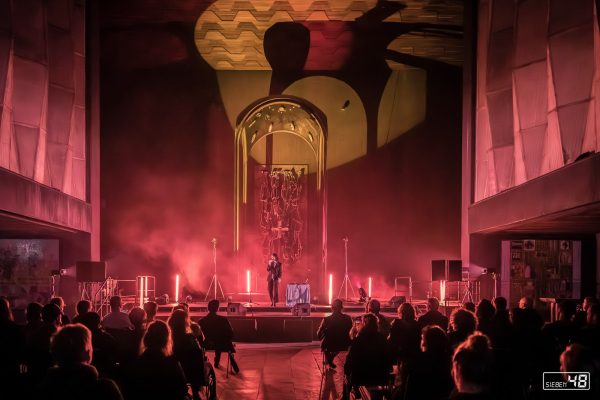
468, 296
346, 282
215, 281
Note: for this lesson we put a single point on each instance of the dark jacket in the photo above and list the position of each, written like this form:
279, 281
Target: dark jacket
368, 362
190, 355
334, 332
217, 332
154, 376
404, 338
432, 317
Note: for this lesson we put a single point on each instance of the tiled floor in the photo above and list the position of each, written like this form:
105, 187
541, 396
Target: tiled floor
278, 372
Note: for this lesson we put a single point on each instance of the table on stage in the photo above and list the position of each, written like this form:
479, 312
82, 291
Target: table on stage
297, 293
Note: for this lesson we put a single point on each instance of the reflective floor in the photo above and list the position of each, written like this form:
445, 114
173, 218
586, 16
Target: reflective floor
278, 372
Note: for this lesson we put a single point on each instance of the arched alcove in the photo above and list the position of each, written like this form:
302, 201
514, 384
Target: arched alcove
280, 187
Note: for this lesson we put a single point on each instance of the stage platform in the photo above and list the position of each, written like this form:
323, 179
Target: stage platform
262, 323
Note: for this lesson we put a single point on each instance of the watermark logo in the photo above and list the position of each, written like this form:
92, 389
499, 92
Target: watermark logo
566, 381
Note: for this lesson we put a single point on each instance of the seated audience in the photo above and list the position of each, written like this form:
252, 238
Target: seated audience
38, 357
589, 335
151, 309
197, 332
433, 316
155, 374
83, 306
12, 346
218, 334
368, 362
469, 306
578, 358
33, 314
334, 332
405, 335
581, 316
472, 368
59, 301
429, 375
501, 331
117, 319
462, 324
383, 325
137, 316
559, 333
106, 350
485, 312
73, 377
188, 352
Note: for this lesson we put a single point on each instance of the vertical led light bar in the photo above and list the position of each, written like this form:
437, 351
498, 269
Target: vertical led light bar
330, 288
247, 281
370, 286
177, 288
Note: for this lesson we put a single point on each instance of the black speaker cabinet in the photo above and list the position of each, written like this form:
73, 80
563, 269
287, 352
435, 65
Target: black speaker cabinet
90, 271
455, 270
438, 270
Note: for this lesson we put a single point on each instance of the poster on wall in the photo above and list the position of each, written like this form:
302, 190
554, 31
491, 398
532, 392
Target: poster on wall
25, 269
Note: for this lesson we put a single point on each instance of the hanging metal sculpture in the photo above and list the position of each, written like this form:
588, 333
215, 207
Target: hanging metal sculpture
281, 210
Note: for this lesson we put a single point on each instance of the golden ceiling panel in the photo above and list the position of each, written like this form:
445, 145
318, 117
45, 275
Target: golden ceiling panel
229, 34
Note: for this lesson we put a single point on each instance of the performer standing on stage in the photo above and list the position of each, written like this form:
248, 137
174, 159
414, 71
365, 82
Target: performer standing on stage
273, 278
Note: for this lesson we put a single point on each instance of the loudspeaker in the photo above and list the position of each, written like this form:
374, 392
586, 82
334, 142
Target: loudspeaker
236, 309
301, 310
90, 271
395, 301
454, 270
438, 270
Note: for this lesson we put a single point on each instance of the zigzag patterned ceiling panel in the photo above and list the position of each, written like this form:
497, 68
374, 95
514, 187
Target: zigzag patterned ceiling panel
229, 34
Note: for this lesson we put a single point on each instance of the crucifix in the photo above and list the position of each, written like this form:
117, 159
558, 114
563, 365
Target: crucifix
279, 230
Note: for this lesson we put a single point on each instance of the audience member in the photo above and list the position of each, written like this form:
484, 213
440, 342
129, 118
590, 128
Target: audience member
433, 316
462, 324
38, 357
469, 306
218, 334
33, 314
578, 358
334, 332
559, 333
73, 377
485, 312
188, 352
428, 377
472, 368
106, 350
151, 309
156, 374
60, 302
12, 347
581, 316
383, 325
137, 316
500, 327
83, 307
405, 335
197, 332
117, 319
368, 361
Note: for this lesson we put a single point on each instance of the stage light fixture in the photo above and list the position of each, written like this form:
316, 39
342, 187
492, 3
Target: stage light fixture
176, 288
370, 281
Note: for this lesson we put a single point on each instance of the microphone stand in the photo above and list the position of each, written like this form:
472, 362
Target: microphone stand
346, 282
215, 280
